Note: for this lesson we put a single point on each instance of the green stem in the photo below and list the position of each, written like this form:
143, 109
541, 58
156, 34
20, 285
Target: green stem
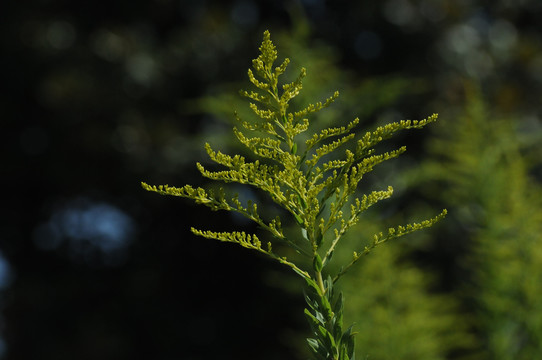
320, 282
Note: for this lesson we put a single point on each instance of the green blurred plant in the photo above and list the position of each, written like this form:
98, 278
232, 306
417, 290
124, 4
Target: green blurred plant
485, 163
408, 318
304, 178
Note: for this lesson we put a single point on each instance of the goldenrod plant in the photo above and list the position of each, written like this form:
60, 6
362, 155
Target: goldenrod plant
314, 186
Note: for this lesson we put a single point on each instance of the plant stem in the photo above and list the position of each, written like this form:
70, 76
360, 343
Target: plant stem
320, 282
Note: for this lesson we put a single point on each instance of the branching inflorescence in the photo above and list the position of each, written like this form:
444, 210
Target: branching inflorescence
300, 178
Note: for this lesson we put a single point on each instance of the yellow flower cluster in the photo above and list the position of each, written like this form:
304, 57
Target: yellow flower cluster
298, 175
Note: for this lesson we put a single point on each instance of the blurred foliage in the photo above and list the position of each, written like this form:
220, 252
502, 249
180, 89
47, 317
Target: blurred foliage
484, 169
397, 315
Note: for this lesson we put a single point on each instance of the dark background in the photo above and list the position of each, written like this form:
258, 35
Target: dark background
94, 101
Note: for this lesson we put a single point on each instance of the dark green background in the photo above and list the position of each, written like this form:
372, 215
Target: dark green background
92, 266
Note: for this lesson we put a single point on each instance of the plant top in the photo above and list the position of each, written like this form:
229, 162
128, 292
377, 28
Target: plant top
317, 190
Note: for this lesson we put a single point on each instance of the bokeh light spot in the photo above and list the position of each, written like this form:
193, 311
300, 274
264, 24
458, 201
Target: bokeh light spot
400, 12
463, 38
60, 34
108, 45
142, 68
6, 274
502, 35
96, 233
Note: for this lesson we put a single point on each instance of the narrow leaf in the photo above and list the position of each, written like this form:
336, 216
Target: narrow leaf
317, 263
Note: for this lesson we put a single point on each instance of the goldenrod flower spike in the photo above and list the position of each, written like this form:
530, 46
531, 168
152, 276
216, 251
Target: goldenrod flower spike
300, 177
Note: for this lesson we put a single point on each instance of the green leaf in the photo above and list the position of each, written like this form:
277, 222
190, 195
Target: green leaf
322, 331
327, 259
339, 304
344, 354
326, 307
348, 340
330, 342
317, 263
338, 319
313, 286
318, 349
304, 234
328, 285
314, 322
299, 219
